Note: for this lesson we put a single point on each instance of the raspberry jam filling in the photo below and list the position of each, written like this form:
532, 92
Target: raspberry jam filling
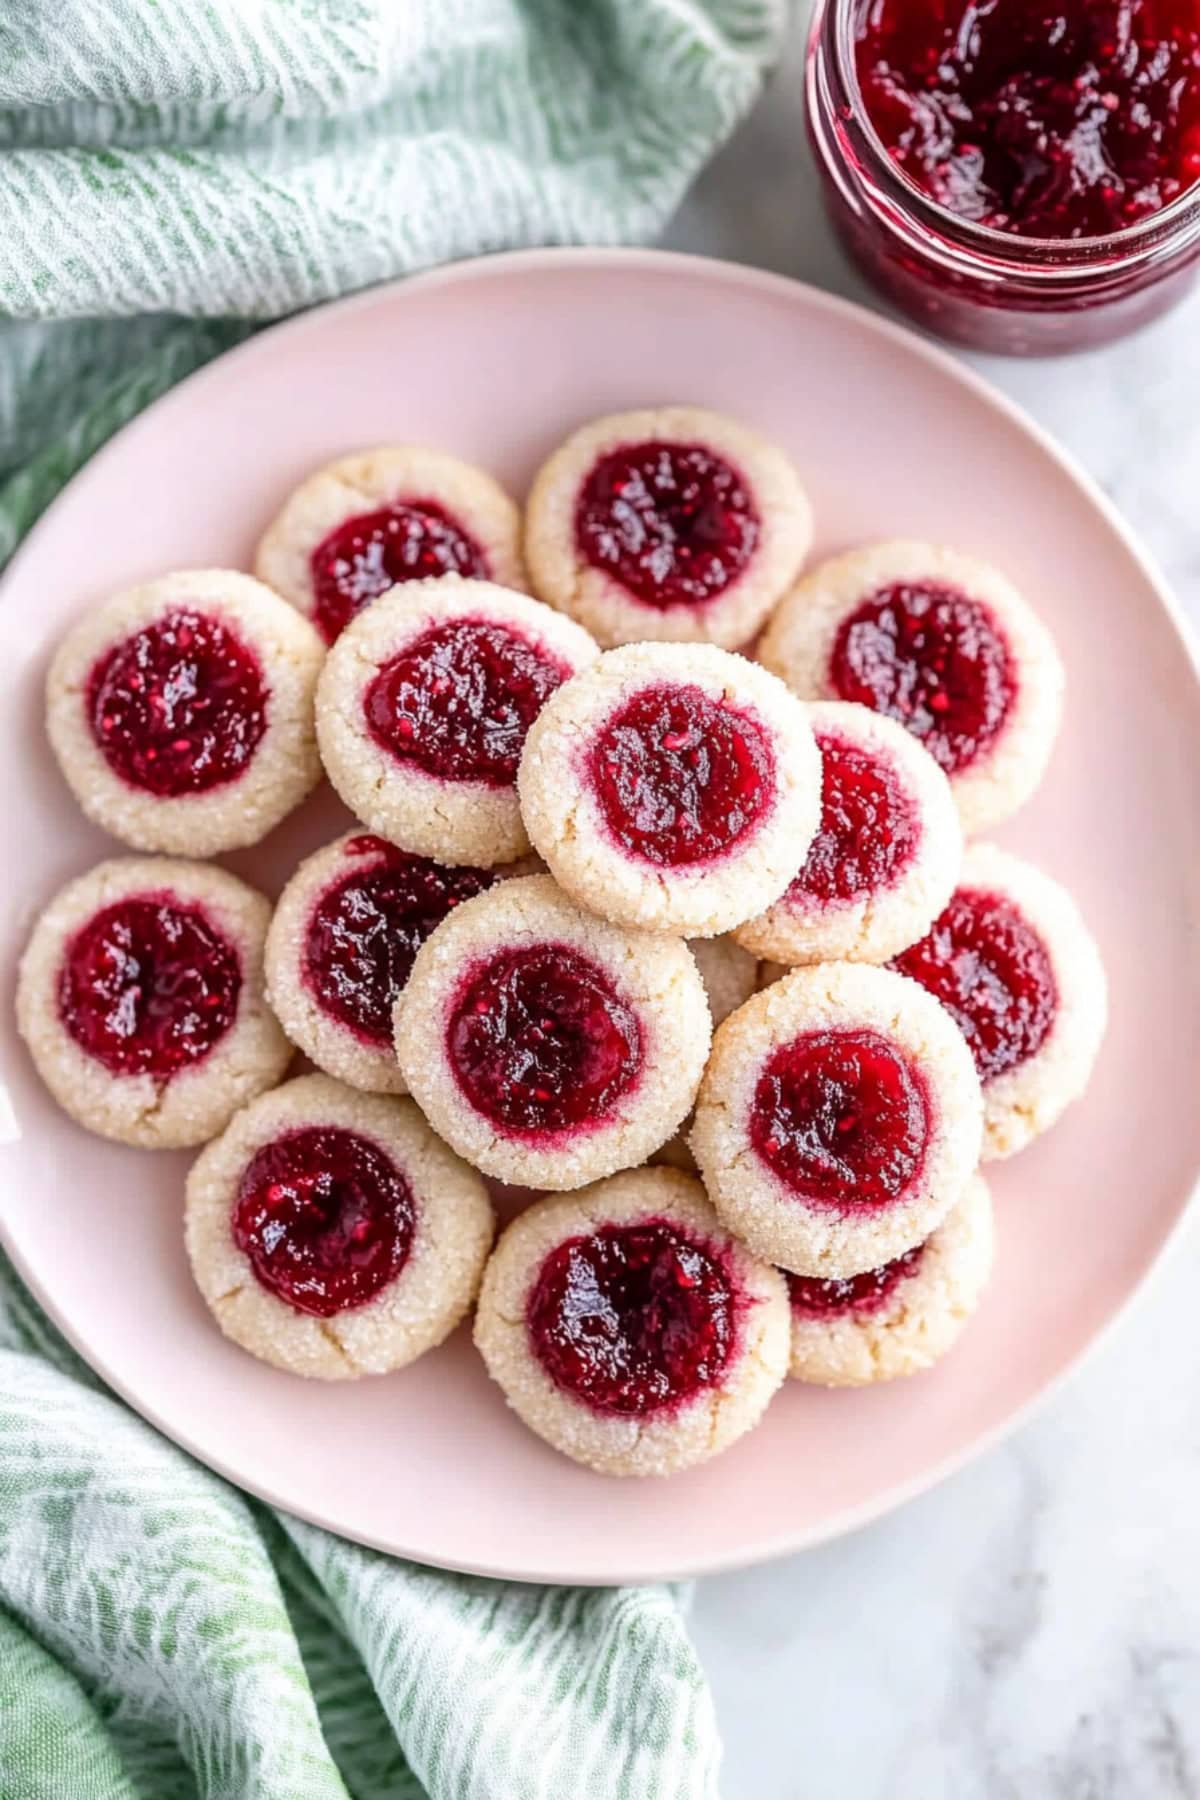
180, 707
148, 986
675, 524
1055, 121
458, 700
680, 777
411, 540
633, 1318
842, 1118
857, 1295
325, 1217
868, 832
366, 928
935, 660
992, 973
541, 1042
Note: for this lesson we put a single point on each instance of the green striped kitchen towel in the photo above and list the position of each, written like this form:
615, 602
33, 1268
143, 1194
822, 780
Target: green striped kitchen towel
171, 173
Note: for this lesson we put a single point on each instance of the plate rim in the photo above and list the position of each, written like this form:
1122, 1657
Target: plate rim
738, 275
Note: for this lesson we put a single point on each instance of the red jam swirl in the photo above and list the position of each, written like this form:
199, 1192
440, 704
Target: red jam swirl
325, 1218
675, 524
992, 972
680, 777
841, 1117
1052, 121
411, 540
180, 707
856, 1295
933, 659
633, 1318
541, 1042
365, 930
148, 986
869, 829
458, 700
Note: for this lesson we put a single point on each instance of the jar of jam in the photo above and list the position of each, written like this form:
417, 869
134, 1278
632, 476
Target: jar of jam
1018, 175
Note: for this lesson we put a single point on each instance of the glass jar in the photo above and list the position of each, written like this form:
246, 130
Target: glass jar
989, 289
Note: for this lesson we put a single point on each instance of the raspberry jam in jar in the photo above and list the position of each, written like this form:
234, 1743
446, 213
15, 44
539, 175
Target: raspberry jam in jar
1018, 175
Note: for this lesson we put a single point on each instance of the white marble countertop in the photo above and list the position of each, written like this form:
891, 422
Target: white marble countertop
1031, 1629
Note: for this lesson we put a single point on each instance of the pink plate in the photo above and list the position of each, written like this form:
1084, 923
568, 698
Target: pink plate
497, 359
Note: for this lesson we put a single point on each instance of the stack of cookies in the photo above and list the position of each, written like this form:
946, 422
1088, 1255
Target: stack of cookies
684, 940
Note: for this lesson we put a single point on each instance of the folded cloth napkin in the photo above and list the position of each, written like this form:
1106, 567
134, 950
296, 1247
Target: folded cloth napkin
170, 175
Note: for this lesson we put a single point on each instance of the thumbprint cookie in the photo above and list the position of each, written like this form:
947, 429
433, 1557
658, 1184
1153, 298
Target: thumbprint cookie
886, 854
942, 643
332, 1234
839, 1119
367, 522
673, 787
1015, 966
676, 523
181, 712
341, 945
422, 710
141, 998
628, 1329
901, 1317
547, 1046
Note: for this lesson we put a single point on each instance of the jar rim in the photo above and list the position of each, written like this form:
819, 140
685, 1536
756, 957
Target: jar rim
1067, 256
